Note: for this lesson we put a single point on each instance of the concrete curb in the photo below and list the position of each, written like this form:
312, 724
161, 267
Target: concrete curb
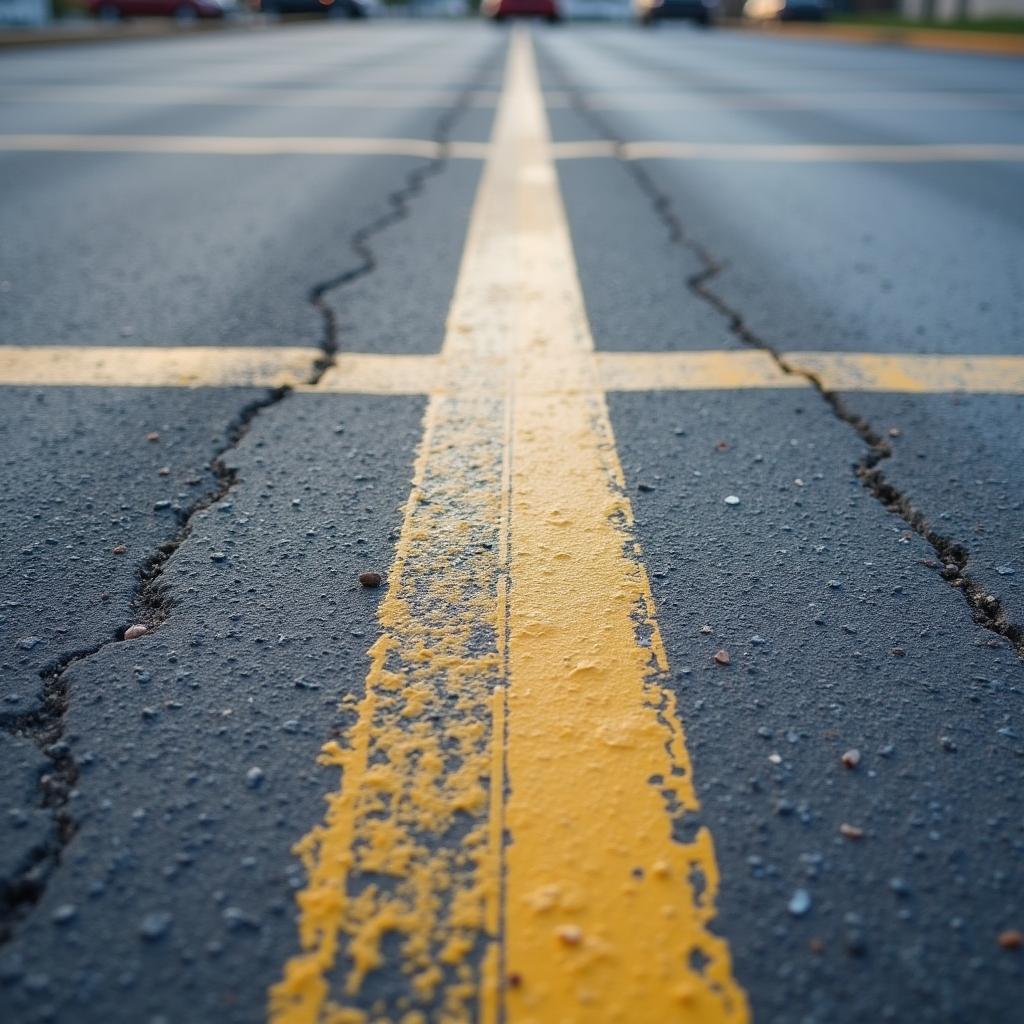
98, 32
996, 43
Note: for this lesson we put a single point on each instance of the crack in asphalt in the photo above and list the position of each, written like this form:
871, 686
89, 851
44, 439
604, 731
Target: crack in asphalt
152, 604
986, 608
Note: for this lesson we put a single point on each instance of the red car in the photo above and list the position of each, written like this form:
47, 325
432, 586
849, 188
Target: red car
499, 10
183, 10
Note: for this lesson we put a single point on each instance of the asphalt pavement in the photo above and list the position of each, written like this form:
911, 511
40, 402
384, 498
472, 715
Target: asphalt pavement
835, 556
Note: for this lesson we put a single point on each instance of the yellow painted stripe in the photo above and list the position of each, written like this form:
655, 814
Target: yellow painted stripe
230, 145
710, 101
205, 95
696, 371
742, 152
870, 371
384, 375
515, 568
152, 367
195, 366
606, 913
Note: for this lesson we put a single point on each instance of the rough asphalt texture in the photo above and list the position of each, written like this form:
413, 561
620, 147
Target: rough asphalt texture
152, 789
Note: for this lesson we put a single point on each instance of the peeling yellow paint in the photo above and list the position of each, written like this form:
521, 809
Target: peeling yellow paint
401, 872
196, 366
241, 145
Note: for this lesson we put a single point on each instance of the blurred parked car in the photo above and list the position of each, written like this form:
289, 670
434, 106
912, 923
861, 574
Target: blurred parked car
329, 8
786, 10
183, 10
499, 10
702, 12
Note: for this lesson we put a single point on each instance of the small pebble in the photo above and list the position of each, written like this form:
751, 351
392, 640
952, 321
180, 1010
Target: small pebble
370, 580
947, 743
218, 556
155, 926
569, 934
732, 500
800, 903
65, 913
1011, 939
722, 657
153, 437
254, 777
851, 758
851, 831
120, 549
134, 632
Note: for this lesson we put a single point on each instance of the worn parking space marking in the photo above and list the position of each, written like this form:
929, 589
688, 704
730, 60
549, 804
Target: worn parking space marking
228, 145
869, 371
239, 96
231, 145
517, 532
752, 152
711, 100
371, 374
154, 367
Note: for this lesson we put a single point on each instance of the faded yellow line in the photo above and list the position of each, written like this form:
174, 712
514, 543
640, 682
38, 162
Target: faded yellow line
869, 371
742, 152
230, 145
684, 371
711, 101
154, 367
384, 375
282, 96
196, 366
399, 916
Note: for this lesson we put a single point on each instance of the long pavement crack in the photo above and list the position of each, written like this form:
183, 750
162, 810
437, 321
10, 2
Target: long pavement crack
953, 557
152, 605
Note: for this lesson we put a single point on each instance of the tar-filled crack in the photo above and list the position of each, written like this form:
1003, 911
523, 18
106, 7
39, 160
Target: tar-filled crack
152, 605
398, 209
953, 557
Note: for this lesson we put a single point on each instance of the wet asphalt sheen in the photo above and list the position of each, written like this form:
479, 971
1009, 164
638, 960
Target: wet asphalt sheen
152, 789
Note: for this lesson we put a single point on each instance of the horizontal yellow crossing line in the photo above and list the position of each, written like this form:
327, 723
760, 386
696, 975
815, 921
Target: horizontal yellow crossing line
314, 145
372, 374
240, 145
264, 96
745, 152
135, 366
870, 371
710, 101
